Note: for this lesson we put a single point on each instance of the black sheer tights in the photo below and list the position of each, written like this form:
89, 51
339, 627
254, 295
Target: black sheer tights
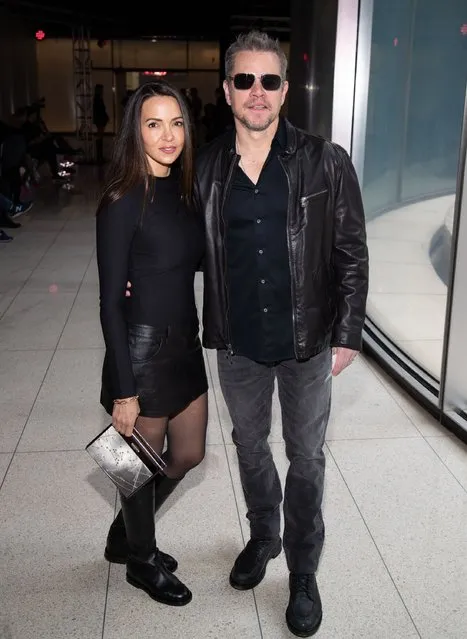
185, 435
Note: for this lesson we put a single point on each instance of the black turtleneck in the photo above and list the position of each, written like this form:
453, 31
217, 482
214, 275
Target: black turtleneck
158, 250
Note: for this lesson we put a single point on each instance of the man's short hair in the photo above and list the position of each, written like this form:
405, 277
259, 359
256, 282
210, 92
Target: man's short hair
255, 41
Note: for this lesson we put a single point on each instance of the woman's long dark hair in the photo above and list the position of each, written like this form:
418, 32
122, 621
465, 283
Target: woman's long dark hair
129, 167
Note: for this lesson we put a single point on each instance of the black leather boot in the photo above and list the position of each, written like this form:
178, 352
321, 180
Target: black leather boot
144, 567
250, 566
304, 612
117, 550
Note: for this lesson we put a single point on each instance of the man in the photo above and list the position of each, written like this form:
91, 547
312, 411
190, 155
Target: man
285, 281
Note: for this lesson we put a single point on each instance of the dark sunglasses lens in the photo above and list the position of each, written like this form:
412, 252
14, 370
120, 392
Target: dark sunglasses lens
243, 81
271, 82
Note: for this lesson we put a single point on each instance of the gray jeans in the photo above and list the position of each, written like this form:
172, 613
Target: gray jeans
305, 398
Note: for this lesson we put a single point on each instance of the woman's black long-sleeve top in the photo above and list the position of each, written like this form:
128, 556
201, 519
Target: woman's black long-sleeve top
158, 250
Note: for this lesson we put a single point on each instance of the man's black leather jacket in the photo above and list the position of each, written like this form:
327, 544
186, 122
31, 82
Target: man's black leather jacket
328, 256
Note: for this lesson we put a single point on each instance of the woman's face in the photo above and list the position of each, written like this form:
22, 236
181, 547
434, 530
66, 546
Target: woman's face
163, 132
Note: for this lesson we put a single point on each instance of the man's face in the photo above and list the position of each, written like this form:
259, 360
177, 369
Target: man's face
255, 107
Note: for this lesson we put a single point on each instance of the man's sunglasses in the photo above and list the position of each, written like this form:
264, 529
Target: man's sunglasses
244, 81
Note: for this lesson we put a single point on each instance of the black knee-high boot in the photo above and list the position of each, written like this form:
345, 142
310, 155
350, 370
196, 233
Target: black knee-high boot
116, 549
144, 567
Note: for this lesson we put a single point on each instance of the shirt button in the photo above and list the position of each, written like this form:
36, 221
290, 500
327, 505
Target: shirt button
258, 221
256, 191
263, 281
260, 251
265, 310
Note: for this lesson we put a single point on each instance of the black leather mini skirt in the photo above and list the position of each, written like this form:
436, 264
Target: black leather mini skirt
168, 366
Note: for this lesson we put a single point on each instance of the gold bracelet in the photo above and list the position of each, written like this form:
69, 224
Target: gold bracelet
126, 400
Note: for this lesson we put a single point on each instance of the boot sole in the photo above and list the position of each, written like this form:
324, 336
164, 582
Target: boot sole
115, 559
302, 633
251, 585
136, 584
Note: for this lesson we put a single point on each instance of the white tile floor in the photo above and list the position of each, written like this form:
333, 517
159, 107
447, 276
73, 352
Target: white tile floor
394, 564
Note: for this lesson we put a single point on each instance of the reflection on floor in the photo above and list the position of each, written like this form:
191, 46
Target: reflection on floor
407, 298
395, 505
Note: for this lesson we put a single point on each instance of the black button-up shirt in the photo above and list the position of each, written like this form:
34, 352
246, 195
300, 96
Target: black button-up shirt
258, 272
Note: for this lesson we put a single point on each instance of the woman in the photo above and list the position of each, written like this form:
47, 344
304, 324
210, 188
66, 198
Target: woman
154, 377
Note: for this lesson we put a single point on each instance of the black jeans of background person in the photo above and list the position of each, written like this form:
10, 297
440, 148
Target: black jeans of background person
304, 390
13, 157
45, 151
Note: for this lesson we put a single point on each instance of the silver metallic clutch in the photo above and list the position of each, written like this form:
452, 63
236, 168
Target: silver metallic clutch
129, 462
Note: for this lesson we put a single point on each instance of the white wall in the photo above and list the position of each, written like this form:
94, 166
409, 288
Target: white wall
18, 69
56, 82
55, 78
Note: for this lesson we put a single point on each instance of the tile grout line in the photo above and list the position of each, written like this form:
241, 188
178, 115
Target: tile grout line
107, 586
422, 434
369, 439
233, 489
65, 450
373, 540
464, 488
226, 455
33, 270
426, 438
27, 420
388, 391
46, 372
106, 599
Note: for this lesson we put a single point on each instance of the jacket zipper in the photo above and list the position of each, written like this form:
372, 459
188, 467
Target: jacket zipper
289, 246
306, 198
233, 164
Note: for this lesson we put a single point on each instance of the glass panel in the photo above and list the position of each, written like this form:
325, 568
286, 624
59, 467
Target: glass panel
437, 83
455, 398
386, 101
418, 73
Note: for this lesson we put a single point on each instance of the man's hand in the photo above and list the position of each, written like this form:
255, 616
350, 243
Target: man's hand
128, 292
342, 357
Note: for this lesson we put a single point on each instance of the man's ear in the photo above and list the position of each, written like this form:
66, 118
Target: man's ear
285, 88
226, 87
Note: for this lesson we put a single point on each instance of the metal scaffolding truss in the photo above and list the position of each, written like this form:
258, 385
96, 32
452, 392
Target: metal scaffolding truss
82, 73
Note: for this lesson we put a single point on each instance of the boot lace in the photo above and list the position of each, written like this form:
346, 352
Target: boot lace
303, 584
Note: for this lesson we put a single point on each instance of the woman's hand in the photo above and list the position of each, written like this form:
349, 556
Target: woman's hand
124, 417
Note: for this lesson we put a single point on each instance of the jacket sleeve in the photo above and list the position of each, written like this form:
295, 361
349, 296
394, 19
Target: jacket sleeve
199, 212
350, 256
115, 227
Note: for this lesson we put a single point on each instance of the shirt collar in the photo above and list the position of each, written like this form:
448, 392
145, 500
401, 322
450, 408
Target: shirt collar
281, 134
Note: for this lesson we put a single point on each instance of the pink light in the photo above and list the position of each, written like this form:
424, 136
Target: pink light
40, 35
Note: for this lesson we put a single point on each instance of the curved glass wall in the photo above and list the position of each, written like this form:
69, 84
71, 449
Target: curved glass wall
400, 109
414, 75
